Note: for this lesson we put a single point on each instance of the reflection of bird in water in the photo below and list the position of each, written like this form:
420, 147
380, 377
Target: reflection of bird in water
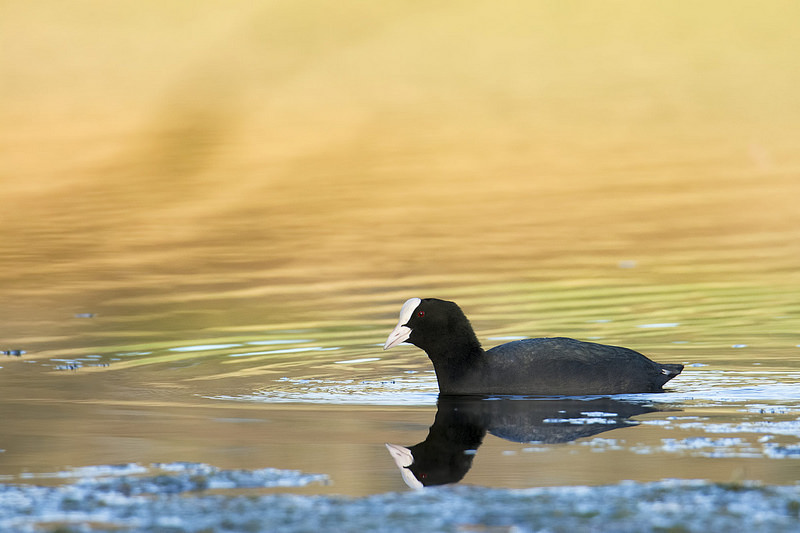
547, 366
446, 454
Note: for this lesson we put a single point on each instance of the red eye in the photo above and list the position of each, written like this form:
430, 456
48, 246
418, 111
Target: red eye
420, 314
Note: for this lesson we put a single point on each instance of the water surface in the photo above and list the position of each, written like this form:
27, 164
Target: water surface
208, 234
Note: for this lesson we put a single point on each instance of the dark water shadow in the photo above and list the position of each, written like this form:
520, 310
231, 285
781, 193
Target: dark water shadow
461, 423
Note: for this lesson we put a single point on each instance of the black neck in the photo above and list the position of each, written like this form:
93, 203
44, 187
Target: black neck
457, 362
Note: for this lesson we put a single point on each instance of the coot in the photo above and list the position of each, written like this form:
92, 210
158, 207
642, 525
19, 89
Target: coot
546, 366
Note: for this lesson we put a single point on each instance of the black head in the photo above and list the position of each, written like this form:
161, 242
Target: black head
429, 323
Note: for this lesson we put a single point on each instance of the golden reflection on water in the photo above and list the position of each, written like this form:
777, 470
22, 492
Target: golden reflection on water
281, 145
240, 174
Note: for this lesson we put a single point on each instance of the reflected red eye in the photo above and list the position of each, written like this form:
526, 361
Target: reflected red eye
420, 314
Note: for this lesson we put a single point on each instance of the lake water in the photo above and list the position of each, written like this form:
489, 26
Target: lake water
208, 234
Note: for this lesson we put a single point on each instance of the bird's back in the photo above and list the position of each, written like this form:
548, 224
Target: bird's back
565, 366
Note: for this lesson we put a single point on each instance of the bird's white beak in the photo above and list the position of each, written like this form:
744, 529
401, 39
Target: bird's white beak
401, 332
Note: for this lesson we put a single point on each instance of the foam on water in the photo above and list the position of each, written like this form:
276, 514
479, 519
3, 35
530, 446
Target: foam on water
717, 387
408, 390
172, 502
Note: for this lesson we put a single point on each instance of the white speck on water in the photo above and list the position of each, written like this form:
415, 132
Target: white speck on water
695, 443
660, 325
203, 347
739, 346
604, 441
579, 421
279, 341
762, 408
774, 451
285, 350
354, 361
781, 427
89, 471
656, 422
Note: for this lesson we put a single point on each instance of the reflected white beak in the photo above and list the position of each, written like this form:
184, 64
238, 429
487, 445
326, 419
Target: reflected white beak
403, 459
401, 455
401, 332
